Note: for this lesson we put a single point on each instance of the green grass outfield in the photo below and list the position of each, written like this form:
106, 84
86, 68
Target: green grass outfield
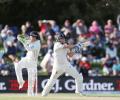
59, 96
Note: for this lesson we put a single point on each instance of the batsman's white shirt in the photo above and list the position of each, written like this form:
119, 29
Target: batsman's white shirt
60, 56
61, 65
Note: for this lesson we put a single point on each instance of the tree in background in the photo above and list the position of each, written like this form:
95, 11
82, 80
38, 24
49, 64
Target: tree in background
18, 11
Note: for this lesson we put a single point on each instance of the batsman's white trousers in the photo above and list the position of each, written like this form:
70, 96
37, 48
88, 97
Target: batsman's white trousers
57, 72
31, 67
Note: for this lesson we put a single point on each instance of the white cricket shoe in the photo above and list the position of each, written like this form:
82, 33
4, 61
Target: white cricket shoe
21, 84
80, 93
44, 94
31, 94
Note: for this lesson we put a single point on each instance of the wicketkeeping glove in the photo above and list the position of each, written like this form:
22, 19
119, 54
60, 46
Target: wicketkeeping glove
22, 38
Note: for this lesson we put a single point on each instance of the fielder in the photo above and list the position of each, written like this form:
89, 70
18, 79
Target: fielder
32, 45
61, 65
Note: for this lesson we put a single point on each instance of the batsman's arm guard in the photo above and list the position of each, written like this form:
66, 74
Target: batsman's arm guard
76, 49
79, 46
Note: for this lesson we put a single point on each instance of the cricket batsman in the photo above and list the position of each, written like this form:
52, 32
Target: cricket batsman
32, 45
62, 65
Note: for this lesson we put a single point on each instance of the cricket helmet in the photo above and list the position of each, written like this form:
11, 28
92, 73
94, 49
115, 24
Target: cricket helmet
60, 36
34, 34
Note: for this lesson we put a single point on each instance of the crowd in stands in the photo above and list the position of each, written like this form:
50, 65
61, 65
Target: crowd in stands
101, 57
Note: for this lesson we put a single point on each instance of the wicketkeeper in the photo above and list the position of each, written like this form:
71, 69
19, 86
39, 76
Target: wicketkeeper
32, 45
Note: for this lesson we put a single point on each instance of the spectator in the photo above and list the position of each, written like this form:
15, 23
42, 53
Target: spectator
48, 39
50, 42
96, 49
2, 62
108, 29
111, 51
116, 67
42, 25
115, 36
49, 31
29, 27
11, 51
84, 66
8, 37
67, 26
23, 29
54, 26
4, 32
15, 30
95, 28
80, 27
118, 22
42, 29
67, 29
111, 54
